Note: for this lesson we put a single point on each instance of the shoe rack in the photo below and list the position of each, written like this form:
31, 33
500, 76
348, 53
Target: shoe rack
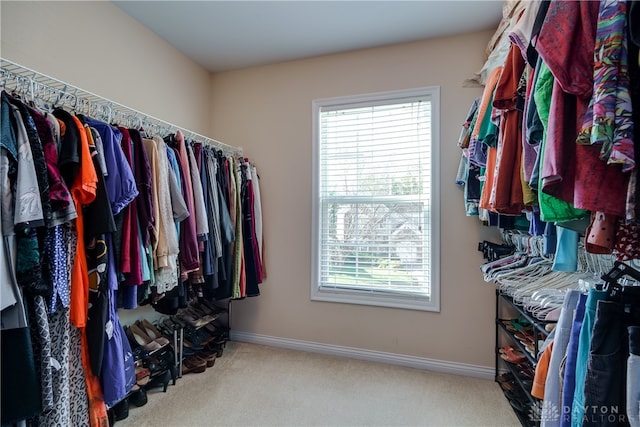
519, 336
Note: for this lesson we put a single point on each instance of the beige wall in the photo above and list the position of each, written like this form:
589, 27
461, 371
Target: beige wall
97, 47
267, 110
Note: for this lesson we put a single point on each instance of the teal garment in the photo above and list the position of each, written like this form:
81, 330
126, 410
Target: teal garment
566, 258
488, 134
577, 410
144, 258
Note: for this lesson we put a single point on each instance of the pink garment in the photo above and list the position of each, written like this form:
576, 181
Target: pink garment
189, 251
131, 265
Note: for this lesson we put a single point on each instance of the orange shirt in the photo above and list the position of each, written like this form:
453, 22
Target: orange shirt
542, 369
83, 192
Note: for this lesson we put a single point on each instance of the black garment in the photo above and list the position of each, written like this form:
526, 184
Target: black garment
532, 53
251, 270
98, 222
633, 15
634, 87
18, 375
69, 156
142, 174
604, 387
98, 215
225, 264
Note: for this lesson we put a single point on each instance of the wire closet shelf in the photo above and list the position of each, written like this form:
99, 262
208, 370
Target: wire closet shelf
48, 92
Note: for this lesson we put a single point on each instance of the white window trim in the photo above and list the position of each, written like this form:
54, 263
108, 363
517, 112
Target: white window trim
351, 296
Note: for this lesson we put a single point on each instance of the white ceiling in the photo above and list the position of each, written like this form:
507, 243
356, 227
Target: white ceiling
226, 35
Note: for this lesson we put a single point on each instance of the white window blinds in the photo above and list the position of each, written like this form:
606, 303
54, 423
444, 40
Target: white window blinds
375, 197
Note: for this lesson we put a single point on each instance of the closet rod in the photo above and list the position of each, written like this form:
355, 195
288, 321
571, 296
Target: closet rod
48, 91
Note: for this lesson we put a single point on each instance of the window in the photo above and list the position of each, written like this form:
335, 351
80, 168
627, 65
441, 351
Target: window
376, 200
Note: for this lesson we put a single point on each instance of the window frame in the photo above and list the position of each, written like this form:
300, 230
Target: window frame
373, 297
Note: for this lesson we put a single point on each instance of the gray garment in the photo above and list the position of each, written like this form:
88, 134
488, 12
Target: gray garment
28, 204
553, 383
257, 208
8, 289
202, 225
13, 313
212, 169
178, 204
97, 140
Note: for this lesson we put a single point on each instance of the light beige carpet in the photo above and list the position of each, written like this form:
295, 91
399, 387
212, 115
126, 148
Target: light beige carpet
254, 385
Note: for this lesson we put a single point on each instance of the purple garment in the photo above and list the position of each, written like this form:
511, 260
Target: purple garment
142, 173
189, 256
118, 369
130, 257
537, 226
120, 182
477, 153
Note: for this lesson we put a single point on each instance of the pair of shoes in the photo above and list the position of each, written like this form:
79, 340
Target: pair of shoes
527, 373
512, 355
194, 319
516, 325
524, 335
138, 338
218, 348
160, 380
137, 396
143, 375
121, 410
152, 332
209, 356
193, 365
506, 381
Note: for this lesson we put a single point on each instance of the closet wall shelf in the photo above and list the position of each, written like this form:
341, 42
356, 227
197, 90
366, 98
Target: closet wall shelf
33, 85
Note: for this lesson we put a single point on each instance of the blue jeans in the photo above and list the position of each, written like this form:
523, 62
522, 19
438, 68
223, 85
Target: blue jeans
577, 411
569, 377
562, 333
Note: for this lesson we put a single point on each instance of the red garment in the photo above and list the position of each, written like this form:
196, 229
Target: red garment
574, 173
131, 265
254, 239
189, 248
506, 196
566, 44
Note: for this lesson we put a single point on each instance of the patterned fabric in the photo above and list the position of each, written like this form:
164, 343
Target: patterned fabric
44, 340
59, 414
57, 267
627, 241
612, 124
78, 395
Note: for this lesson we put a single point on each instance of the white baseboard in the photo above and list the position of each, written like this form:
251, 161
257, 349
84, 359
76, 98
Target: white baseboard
369, 355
